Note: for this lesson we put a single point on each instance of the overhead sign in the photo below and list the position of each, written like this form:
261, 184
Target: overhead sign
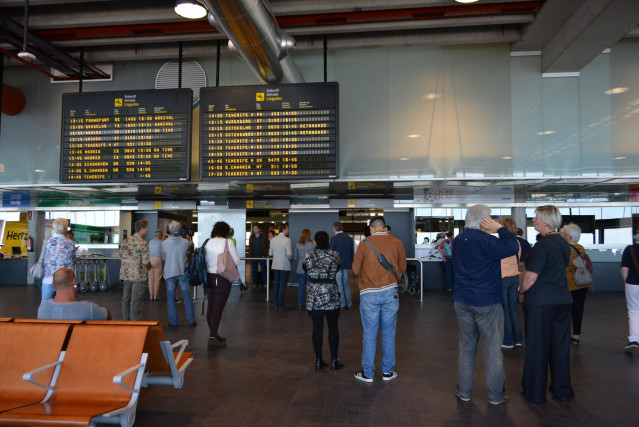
260, 204
265, 132
126, 136
361, 203
16, 199
460, 194
167, 204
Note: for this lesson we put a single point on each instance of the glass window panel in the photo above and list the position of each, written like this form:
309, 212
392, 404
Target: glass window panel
618, 236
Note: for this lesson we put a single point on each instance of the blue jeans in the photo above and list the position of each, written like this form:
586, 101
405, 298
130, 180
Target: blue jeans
448, 269
259, 275
47, 288
279, 289
488, 323
301, 278
512, 325
344, 289
379, 308
183, 283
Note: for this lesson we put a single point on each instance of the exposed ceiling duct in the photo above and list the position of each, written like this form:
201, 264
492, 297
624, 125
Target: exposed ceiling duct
254, 33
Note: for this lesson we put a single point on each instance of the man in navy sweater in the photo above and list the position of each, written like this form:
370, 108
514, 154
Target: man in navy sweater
343, 244
478, 296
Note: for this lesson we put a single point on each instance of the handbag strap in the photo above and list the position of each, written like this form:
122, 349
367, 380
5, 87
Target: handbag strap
380, 258
634, 258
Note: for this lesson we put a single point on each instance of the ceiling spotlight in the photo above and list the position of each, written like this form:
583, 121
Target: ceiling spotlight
616, 90
466, 1
190, 9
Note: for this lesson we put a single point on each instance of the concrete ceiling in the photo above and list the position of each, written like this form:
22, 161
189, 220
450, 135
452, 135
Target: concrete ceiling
568, 33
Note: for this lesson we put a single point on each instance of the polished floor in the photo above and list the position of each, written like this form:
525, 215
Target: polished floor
266, 376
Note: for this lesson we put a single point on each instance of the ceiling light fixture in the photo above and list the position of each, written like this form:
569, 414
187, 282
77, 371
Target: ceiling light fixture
190, 9
413, 135
616, 90
619, 158
466, 1
24, 54
546, 132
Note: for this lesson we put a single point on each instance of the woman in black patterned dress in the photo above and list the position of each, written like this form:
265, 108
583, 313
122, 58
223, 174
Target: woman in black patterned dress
322, 297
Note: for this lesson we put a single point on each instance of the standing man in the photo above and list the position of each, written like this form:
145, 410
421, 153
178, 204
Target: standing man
155, 273
282, 254
343, 244
258, 245
478, 296
134, 255
630, 275
174, 254
378, 297
64, 306
445, 248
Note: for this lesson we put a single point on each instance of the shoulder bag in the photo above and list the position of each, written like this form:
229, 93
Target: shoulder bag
226, 266
37, 270
383, 261
582, 276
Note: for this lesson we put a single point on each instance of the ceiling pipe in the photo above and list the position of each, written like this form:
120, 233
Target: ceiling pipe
255, 35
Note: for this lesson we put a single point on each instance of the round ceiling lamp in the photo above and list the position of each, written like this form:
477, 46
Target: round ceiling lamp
190, 9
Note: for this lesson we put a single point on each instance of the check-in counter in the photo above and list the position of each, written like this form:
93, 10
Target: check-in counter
14, 271
434, 277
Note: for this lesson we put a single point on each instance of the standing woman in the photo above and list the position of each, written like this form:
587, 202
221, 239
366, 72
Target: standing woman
59, 252
157, 265
304, 245
218, 288
547, 311
572, 233
322, 299
510, 282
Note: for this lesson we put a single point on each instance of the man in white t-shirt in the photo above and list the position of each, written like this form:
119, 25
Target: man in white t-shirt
64, 306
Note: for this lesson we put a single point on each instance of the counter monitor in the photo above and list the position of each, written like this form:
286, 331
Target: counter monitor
285, 131
126, 136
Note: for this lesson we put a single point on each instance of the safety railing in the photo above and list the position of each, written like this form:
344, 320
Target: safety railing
268, 271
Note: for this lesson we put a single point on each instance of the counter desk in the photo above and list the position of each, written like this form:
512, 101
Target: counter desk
14, 271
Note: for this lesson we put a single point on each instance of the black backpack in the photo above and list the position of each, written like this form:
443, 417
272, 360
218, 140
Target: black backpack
196, 266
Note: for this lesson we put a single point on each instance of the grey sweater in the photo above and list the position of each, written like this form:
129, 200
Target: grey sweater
174, 255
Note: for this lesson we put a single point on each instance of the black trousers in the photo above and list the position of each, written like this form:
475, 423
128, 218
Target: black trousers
547, 346
333, 333
578, 300
217, 297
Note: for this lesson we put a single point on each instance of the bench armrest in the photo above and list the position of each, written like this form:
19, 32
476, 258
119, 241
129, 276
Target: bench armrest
117, 379
182, 344
29, 375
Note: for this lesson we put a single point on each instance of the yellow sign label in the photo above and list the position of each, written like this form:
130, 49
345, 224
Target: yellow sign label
259, 96
250, 204
158, 191
118, 102
15, 234
157, 205
352, 185
352, 203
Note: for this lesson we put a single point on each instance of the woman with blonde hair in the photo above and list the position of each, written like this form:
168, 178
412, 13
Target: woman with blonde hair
304, 245
59, 252
513, 336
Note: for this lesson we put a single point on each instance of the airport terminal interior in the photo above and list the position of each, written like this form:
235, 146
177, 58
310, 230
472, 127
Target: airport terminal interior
264, 112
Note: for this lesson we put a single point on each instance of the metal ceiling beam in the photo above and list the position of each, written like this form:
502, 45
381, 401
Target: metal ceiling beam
549, 19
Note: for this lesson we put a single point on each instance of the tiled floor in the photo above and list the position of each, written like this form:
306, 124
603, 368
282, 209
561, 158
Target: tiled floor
266, 376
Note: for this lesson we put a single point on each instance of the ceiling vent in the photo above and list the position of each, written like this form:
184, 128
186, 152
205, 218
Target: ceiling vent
193, 77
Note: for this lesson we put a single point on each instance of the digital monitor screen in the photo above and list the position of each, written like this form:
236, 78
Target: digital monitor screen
267, 132
126, 136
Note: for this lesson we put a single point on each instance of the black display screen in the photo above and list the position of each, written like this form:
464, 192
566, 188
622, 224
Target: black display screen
126, 136
265, 132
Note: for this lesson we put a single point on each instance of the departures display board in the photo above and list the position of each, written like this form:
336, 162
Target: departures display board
285, 131
126, 136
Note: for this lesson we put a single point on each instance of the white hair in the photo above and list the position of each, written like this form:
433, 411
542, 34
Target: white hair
475, 215
573, 232
175, 228
60, 225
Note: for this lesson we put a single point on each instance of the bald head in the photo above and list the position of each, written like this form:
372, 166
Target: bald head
64, 278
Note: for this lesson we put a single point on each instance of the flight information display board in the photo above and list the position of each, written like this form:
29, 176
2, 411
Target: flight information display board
268, 132
126, 136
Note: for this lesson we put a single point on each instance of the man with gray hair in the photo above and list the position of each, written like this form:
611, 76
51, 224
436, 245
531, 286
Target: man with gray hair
478, 296
174, 250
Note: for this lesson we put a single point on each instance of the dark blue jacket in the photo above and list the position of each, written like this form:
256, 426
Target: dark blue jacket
343, 244
477, 265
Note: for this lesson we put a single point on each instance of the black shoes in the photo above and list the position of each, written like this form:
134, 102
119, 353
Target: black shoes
319, 364
220, 338
336, 364
171, 325
193, 325
215, 343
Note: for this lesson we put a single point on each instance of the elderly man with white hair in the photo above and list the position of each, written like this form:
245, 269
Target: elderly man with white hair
59, 252
478, 296
174, 250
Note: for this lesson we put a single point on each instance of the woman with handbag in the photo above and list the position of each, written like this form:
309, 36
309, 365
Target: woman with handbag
221, 266
572, 233
322, 297
59, 252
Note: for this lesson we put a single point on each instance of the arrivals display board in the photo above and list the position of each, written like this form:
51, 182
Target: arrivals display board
126, 136
268, 132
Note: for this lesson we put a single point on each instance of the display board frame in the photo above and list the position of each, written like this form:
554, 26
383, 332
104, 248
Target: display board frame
269, 132
138, 149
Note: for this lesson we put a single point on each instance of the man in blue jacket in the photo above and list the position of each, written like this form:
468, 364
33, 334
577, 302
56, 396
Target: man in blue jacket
343, 244
478, 296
